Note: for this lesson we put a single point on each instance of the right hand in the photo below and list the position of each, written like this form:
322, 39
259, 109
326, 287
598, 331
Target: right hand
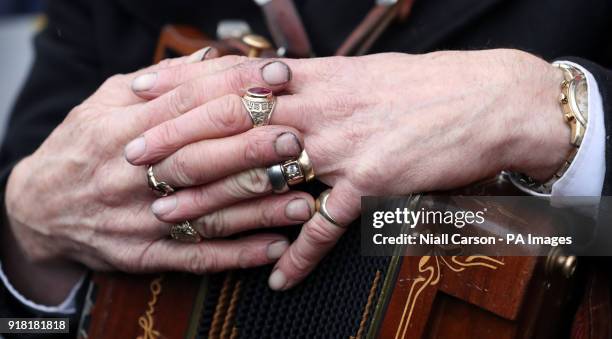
77, 199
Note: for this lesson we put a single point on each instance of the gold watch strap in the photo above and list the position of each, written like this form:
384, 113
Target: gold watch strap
575, 120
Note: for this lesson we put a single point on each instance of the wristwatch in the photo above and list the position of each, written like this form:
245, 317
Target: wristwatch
574, 100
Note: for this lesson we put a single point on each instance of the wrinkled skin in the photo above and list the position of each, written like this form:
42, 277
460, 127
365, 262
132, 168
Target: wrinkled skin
76, 201
376, 125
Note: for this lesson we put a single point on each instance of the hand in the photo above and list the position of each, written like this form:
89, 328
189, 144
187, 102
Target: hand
77, 200
387, 124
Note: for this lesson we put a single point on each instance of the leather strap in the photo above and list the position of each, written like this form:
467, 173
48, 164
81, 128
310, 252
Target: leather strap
285, 25
375, 23
404, 9
287, 29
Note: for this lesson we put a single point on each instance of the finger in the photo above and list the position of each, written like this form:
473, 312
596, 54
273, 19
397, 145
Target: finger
237, 70
316, 239
142, 224
117, 91
202, 54
211, 255
218, 118
291, 208
228, 206
209, 160
193, 93
194, 202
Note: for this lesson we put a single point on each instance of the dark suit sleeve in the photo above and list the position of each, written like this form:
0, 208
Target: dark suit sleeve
603, 76
64, 73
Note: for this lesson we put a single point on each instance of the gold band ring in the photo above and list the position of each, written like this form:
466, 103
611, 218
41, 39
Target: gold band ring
306, 164
321, 207
259, 103
184, 232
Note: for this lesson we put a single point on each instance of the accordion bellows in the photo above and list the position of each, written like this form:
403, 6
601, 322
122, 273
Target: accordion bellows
330, 303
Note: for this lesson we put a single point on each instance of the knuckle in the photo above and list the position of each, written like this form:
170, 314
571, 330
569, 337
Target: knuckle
299, 261
246, 258
340, 106
202, 260
250, 183
183, 98
166, 135
214, 224
318, 233
165, 63
364, 174
107, 187
232, 78
84, 112
334, 68
200, 200
181, 170
235, 59
228, 113
115, 80
194, 263
254, 150
267, 215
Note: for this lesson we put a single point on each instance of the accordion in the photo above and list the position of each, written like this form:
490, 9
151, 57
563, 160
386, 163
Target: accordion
348, 295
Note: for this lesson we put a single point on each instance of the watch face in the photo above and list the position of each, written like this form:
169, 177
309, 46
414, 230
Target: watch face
582, 97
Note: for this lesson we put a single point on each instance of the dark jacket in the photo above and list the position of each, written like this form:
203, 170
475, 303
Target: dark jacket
86, 41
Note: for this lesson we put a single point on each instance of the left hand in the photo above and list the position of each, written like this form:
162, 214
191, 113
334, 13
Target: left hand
387, 124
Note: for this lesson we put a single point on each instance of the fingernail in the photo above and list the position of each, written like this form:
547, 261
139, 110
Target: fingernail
277, 280
276, 249
164, 205
276, 73
287, 145
298, 209
144, 82
135, 149
200, 55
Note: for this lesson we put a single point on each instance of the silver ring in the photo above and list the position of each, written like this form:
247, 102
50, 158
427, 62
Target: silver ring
290, 172
160, 187
321, 207
259, 102
184, 232
277, 179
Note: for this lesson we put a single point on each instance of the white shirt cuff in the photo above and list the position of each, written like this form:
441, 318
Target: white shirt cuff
68, 306
585, 175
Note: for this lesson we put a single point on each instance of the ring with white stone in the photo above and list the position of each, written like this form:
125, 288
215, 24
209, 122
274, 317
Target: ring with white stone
290, 172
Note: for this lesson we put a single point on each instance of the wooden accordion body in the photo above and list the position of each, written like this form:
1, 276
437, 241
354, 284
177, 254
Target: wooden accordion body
348, 296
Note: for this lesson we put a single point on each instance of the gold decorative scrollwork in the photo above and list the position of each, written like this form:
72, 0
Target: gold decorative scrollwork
429, 275
146, 321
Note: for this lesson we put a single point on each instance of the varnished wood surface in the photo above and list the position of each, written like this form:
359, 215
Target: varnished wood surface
122, 302
517, 299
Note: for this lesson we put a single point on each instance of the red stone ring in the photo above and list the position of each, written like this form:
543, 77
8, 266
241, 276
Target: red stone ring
259, 103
